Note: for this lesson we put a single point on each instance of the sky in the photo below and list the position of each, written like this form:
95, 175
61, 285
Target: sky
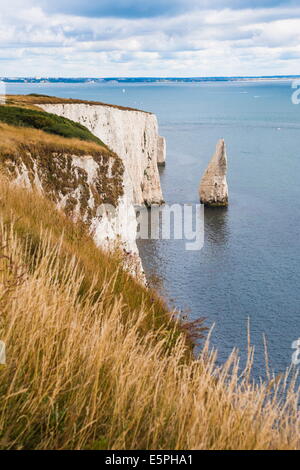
153, 38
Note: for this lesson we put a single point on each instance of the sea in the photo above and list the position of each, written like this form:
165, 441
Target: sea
248, 271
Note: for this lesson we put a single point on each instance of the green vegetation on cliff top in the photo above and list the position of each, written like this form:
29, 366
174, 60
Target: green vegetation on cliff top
33, 100
47, 122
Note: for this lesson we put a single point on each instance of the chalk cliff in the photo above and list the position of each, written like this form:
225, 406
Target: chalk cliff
88, 188
131, 134
213, 190
123, 176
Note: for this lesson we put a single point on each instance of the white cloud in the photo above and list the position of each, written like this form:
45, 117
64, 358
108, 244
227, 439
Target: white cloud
200, 42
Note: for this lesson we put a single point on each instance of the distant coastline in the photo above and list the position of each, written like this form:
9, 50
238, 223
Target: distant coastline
91, 80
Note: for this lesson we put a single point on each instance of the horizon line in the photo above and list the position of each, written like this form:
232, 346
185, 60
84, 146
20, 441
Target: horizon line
39, 77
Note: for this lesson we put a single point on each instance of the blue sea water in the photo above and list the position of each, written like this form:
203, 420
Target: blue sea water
250, 264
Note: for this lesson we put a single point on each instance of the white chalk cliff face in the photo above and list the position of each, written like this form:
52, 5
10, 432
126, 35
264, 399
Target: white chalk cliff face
213, 189
133, 136
88, 188
102, 189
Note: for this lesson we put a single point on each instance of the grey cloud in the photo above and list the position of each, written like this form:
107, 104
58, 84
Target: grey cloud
150, 8
117, 8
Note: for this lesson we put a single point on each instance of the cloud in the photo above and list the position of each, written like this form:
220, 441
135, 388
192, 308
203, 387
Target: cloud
150, 8
117, 8
162, 37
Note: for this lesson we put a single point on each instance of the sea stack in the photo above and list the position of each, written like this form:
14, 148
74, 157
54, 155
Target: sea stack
213, 189
161, 151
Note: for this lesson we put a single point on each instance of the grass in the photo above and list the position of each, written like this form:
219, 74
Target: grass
47, 122
33, 100
13, 138
95, 362
31, 212
49, 158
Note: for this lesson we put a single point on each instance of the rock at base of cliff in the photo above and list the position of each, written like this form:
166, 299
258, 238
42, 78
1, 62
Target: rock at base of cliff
213, 189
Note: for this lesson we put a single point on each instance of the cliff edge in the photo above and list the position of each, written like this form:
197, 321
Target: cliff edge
97, 179
132, 135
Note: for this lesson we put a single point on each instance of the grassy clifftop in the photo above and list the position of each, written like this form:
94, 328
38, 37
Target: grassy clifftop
34, 99
47, 122
43, 145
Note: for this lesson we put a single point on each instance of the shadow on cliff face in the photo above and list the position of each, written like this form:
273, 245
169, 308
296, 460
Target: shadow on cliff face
216, 225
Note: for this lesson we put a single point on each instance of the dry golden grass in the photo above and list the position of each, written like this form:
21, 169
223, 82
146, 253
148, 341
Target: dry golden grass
13, 138
82, 369
32, 101
31, 212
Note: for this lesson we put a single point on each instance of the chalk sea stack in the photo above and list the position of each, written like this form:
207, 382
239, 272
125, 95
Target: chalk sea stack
213, 189
161, 151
